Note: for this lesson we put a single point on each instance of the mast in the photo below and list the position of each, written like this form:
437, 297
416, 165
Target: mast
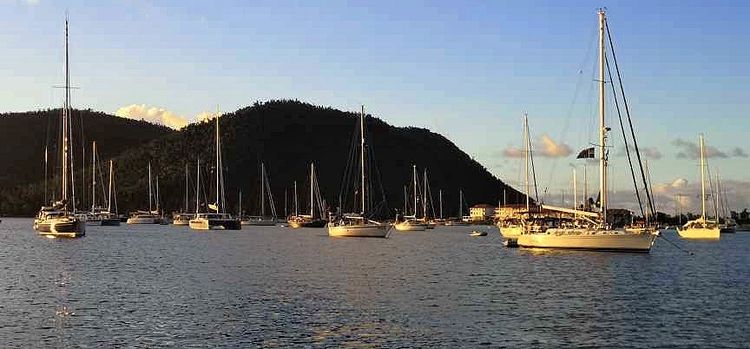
460, 204
187, 180
424, 195
440, 195
197, 186
218, 165
406, 201
262, 189
362, 155
240, 208
575, 192
703, 179
109, 192
602, 126
414, 177
93, 176
66, 112
312, 189
149, 187
157, 195
526, 156
296, 206
716, 199
45, 175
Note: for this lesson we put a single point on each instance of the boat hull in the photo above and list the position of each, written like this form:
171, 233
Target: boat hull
66, 227
510, 232
110, 222
260, 223
364, 230
316, 223
599, 241
408, 226
215, 224
144, 220
700, 233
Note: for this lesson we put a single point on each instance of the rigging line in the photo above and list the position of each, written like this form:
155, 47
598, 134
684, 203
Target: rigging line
630, 121
676, 245
625, 139
533, 170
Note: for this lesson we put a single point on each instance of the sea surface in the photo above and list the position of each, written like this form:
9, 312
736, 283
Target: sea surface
167, 286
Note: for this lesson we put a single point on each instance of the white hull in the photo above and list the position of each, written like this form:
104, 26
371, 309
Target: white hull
602, 240
700, 233
201, 224
182, 222
144, 220
410, 226
365, 230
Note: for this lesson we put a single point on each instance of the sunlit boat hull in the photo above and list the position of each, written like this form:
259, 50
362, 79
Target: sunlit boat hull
361, 230
580, 239
215, 224
700, 233
510, 232
144, 220
410, 226
61, 227
307, 223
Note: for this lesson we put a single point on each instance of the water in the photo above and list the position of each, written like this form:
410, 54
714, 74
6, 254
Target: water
166, 286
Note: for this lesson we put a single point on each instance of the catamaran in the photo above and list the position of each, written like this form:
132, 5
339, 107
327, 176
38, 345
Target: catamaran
312, 220
701, 228
218, 219
594, 233
58, 220
358, 224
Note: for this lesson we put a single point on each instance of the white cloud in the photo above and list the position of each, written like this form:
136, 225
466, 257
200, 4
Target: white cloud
513, 152
205, 116
154, 115
548, 147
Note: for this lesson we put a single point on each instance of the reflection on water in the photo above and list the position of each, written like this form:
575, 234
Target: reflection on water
165, 286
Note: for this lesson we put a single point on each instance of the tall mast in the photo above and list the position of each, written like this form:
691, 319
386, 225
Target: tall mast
312, 189
460, 204
424, 195
296, 206
716, 199
218, 165
602, 126
93, 176
703, 180
109, 192
197, 186
440, 195
157, 194
414, 178
149, 187
575, 192
262, 189
362, 154
526, 157
45, 175
66, 111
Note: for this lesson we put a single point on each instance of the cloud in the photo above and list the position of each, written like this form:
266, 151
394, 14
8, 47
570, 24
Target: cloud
550, 149
154, 115
648, 152
690, 150
513, 152
204, 116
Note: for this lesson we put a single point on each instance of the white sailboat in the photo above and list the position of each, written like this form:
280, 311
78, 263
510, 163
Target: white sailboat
150, 216
219, 219
511, 228
411, 223
701, 228
265, 195
359, 224
58, 220
183, 218
597, 235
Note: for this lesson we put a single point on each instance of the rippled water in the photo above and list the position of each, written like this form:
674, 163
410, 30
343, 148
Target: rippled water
166, 286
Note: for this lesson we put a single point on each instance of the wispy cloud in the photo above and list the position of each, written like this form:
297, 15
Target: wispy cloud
513, 152
691, 150
545, 146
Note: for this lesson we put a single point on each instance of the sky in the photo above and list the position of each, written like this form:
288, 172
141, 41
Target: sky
466, 70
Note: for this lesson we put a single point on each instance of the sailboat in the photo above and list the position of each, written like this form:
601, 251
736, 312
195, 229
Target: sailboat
100, 215
597, 234
411, 223
183, 218
311, 220
150, 216
701, 228
218, 219
427, 201
511, 228
265, 194
110, 217
358, 224
460, 221
57, 220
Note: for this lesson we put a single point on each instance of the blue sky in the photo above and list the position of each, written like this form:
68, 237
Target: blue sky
465, 70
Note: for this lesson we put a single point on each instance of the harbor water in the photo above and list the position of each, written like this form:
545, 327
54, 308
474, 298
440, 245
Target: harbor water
166, 286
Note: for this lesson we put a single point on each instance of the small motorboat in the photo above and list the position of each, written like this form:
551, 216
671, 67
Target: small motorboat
478, 233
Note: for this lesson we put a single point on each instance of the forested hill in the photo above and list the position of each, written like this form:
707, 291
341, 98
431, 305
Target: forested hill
23, 137
287, 136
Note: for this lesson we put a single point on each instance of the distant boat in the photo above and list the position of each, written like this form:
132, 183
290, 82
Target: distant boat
219, 219
411, 223
99, 215
460, 221
478, 233
701, 228
265, 194
512, 227
57, 220
311, 220
358, 224
150, 216
183, 218
110, 217
594, 233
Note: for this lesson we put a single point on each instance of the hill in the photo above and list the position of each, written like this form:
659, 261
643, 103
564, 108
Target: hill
287, 135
